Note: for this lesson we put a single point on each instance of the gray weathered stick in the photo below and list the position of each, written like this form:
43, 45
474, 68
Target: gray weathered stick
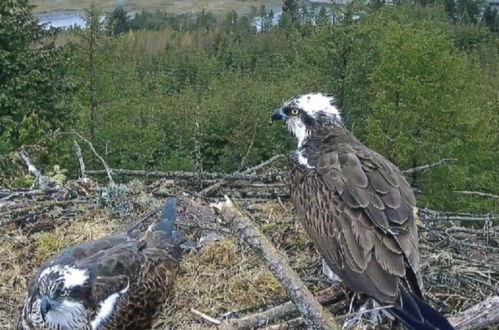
185, 175
482, 315
278, 312
312, 312
432, 215
91, 146
44, 182
80, 160
247, 171
428, 166
476, 193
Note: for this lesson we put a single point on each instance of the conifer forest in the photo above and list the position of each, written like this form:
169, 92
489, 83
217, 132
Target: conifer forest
131, 102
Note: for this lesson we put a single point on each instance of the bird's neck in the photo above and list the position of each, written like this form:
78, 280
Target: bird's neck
326, 135
319, 140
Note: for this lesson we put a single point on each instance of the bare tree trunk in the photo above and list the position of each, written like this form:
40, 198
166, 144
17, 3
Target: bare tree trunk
92, 18
197, 150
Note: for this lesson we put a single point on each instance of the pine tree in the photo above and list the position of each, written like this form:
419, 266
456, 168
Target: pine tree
92, 37
290, 7
35, 92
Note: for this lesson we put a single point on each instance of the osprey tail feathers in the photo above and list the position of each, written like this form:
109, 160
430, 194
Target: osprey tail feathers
168, 215
416, 314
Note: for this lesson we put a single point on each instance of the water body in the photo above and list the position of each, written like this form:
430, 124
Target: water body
69, 18
313, 8
62, 19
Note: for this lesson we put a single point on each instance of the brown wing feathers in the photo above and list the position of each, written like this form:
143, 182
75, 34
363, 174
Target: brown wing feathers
366, 225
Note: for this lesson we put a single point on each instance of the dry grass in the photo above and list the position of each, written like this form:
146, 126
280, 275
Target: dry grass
227, 278
22, 254
221, 277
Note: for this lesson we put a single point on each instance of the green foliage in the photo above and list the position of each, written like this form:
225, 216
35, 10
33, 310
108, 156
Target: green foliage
465, 11
25, 181
35, 93
58, 174
412, 85
47, 244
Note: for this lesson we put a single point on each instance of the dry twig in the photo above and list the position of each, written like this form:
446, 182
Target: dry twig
44, 182
428, 166
80, 160
186, 175
205, 317
476, 193
247, 171
479, 316
91, 146
432, 215
278, 312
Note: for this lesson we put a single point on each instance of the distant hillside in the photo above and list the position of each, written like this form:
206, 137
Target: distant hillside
173, 6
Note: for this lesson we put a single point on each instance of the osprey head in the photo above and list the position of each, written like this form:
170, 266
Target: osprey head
56, 298
304, 113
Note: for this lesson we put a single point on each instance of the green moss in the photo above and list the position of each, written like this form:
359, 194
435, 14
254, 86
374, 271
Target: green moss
24, 181
46, 244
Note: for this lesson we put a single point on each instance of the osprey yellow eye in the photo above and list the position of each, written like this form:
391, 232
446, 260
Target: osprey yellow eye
295, 112
64, 293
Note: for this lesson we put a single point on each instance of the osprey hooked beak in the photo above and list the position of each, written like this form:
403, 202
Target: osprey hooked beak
279, 115
45, 306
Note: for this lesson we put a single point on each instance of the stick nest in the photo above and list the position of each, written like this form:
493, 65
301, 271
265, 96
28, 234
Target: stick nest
224, 278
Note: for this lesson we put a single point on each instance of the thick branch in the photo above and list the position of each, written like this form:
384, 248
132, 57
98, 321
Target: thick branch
44, 182
480, 316
431, 215
185, 175
428, 166
312, 312
477, 193
278, 312
9, 194
298, 322
247, 171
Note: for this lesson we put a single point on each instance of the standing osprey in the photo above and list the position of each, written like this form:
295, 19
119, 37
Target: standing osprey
118, 282
358, 209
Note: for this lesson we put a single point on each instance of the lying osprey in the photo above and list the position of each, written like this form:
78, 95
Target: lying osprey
358, 209
118, 282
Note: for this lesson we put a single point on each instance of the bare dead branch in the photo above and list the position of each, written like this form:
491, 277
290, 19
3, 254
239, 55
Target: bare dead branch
480, 316
432, 215
31, 209
197, 149
204, 316
247, 171
314, 315
43, 182
186, 175
80, 160
278, 312
245, 157
287, 325
103, 162
10, 194
476, 193
428, 166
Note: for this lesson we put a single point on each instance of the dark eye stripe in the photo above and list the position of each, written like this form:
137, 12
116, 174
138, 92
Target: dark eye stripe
307, 120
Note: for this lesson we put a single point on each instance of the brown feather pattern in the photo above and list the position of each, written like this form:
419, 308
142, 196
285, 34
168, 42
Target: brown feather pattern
147, 264
358, 209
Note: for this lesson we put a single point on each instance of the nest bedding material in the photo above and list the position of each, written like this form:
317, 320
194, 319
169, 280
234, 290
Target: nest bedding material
224, 277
